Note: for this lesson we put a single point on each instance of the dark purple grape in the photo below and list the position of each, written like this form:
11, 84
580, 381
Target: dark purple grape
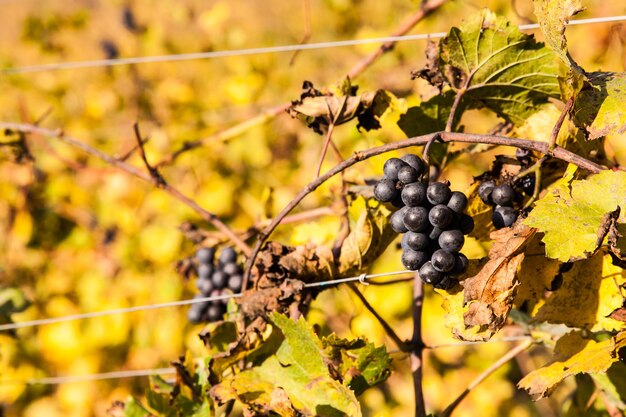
442, 260
219, 279
215, 312
416, 219
503, 216
484, 191
465, 224
416, 241
197, 310
205, 271
451, 240
385, 190
392, 166
414, 194
231, 268
446, 283
527, 183
397, 201
440, 216
407, 174
438, 193
457, 202
429, 274
228, 255
205, 286
234, 282
460, 264
503, 195
205, 255
397, 221
413, 260
416, 162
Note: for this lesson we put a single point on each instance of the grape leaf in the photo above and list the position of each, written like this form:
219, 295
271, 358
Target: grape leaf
133, 408
613, 384
574, 355
489, 294
589, 294
599, 106
553, 15
292, 380
496, 66
430, 116
573, 218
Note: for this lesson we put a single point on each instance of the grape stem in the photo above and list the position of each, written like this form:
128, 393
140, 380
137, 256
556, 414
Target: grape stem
559, 123
150, 177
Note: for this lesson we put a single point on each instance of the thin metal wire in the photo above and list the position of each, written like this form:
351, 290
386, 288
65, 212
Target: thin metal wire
470, 343
98, 63
56, 380
40, 322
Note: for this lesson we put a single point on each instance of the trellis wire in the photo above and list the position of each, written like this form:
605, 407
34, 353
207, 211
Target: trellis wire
57, 380
52, 320
262, 50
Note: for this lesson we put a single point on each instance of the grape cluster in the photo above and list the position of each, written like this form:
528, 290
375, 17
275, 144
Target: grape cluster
502, 198
214, 279
430, 217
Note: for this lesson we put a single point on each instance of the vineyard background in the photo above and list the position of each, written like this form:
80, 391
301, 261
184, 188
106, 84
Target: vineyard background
77, 235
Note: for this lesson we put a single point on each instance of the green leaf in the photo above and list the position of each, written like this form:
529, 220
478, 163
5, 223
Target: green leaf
430, 116
553, 15
496, 66
599, 107
573, 218
573, 355
361, 364
12, 300
590, 292
613, 384
294, 380
133, 408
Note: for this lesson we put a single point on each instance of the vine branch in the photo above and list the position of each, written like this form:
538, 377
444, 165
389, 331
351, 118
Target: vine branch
174, 192
417, 343
540, 147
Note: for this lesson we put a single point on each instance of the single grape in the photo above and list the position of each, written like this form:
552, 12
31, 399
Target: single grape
446, 283
438, 193
407, 174
527, 184
205, 255
416, 219
457, 202
451, 240
228, 255
429, 274
397, 221
413, 260
234, 282
416, 162
205, 270
392, 166
442, 260
231, 268
465, 223
215, 312
205, 286
440, 216
416, 241
197, 310
414, 194
503, 195
219, 279
460, 264
503, 216
385, 190
484, 191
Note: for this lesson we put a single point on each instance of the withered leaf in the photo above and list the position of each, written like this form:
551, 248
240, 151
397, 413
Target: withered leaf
489, 294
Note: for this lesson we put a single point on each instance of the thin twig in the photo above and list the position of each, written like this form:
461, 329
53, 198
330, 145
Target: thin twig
306, 5
174, 192
541, 147
417, 353
557, 127
480, 378
390, 332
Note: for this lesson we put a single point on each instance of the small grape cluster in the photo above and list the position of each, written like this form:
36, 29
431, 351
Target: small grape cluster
214, 279
502, 198
431, 217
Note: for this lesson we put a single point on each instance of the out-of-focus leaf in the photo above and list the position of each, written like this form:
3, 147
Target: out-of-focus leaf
599, 106
589, 294
574, 355
613, 384
496, 66
294, 380
12, 300
582, 402
361, 364
574, 218
132, 408
221, 336
489, 294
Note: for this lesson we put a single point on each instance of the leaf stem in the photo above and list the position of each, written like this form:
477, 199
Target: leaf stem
480, 378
